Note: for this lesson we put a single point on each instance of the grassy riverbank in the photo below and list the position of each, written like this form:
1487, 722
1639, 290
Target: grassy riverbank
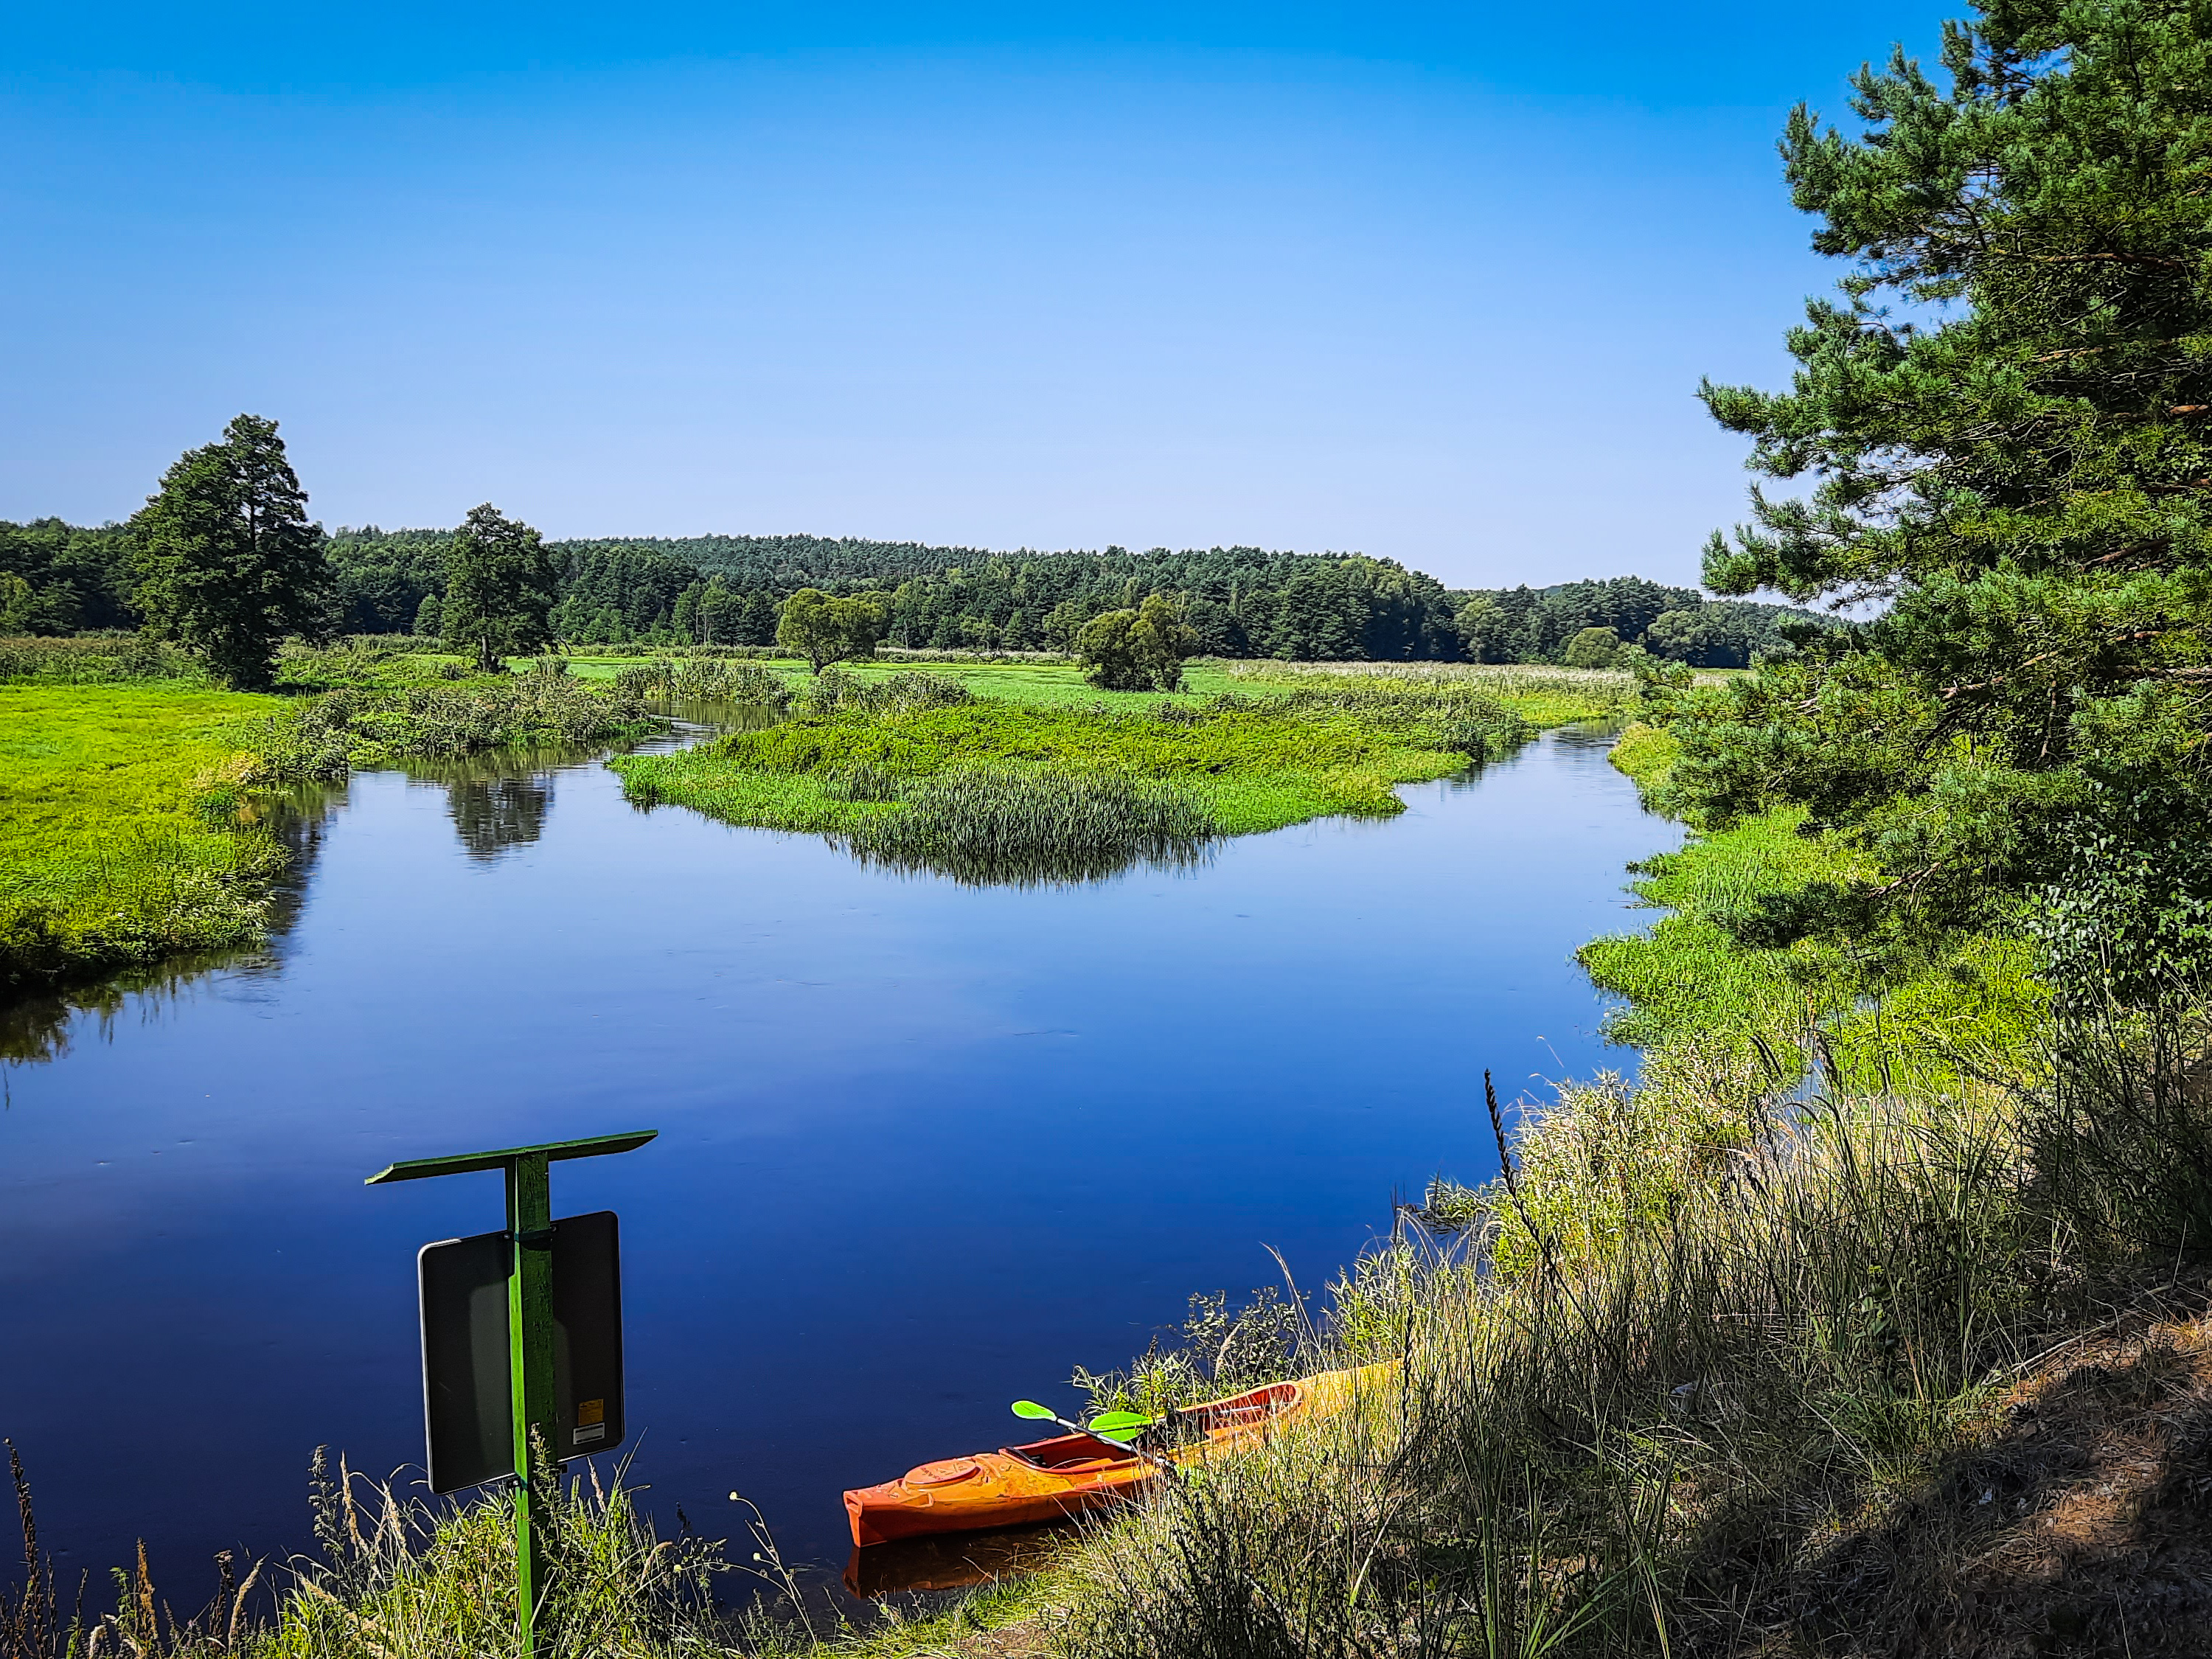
1730, 1362
120, 840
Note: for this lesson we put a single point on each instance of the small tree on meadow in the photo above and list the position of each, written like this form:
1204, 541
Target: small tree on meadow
500, 587
824, 629
1593, 648
226, 562
1139, 650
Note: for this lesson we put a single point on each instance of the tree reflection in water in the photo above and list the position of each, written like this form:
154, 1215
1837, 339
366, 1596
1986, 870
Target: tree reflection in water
498, 800
493, 814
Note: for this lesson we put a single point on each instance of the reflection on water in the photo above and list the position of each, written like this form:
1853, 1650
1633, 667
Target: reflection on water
493, 814
498, 800
955, 1560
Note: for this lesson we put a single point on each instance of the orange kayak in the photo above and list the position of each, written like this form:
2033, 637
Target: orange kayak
1048, 1479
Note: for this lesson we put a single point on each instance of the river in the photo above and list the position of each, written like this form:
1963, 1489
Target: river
923, 1147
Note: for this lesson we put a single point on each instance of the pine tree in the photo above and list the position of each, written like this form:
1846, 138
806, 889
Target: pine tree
2006, 413
226, 562
500, 587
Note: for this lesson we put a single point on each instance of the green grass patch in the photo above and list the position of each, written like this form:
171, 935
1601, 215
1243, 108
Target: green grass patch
914, 769
121, 838
1872, 1021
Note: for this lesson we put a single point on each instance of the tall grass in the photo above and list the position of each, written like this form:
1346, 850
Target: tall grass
343, 730
93, 659
836, 690
1645, 1438
707, 679
1024, 829
398, 1579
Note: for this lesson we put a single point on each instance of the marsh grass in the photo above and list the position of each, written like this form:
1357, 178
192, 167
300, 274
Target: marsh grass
1541, 694
345, 730
703, 679
93, 659
999, 828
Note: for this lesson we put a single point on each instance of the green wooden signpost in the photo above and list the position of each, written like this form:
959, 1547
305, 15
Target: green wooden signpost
529, 1328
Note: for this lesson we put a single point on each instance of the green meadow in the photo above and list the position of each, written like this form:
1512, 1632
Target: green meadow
120, 838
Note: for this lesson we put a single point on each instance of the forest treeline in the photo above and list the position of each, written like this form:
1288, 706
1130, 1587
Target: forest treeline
56, 578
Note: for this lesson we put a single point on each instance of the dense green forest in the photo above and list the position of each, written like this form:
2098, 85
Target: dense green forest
726, 590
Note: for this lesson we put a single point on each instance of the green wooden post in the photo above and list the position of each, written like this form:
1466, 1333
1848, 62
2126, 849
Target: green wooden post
529, 1327
529, 1373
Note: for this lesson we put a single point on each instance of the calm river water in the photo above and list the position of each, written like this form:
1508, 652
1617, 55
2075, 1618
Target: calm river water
923, 1147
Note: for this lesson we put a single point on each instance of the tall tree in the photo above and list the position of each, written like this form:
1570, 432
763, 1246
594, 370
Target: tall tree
500, 587
226, 562
2006, 413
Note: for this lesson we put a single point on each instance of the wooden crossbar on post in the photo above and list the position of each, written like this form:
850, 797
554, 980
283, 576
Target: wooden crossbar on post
528, 1171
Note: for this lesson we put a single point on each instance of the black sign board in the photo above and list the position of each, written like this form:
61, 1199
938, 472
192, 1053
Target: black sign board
467, 1399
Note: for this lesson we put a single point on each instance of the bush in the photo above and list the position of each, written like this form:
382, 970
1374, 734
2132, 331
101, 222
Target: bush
1593, 648
1139, 650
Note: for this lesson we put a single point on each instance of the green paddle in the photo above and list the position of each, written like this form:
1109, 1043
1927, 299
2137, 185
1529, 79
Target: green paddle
1115, 1428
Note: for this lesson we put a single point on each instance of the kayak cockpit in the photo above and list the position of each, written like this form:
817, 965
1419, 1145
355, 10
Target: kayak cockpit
1068, 1452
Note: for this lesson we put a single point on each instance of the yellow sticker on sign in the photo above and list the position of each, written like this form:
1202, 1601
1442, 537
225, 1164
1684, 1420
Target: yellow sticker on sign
590, 1411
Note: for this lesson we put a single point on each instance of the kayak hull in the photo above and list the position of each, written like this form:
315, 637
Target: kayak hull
1051, 1480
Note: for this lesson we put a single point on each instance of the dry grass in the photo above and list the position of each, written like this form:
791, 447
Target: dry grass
1729, 1381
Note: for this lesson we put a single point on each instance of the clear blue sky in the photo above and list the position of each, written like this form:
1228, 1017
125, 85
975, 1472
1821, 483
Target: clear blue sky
1434, 284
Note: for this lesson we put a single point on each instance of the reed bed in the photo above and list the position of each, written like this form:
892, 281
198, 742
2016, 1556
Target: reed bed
838, 691
1023, 828
706, 679
324, 739
93, 659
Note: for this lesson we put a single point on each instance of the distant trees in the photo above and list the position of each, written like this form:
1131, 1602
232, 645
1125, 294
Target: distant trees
1525, 625
823, 628
224, 561
500, 587
732, 590
63, 578
1139, 649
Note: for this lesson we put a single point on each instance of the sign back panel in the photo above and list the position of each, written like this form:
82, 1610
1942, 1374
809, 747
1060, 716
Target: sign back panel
466, 1400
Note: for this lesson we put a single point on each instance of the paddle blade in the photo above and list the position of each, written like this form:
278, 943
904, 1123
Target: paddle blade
1031, 1409
1117, 1422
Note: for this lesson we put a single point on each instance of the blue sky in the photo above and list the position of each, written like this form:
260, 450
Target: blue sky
1433, 283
